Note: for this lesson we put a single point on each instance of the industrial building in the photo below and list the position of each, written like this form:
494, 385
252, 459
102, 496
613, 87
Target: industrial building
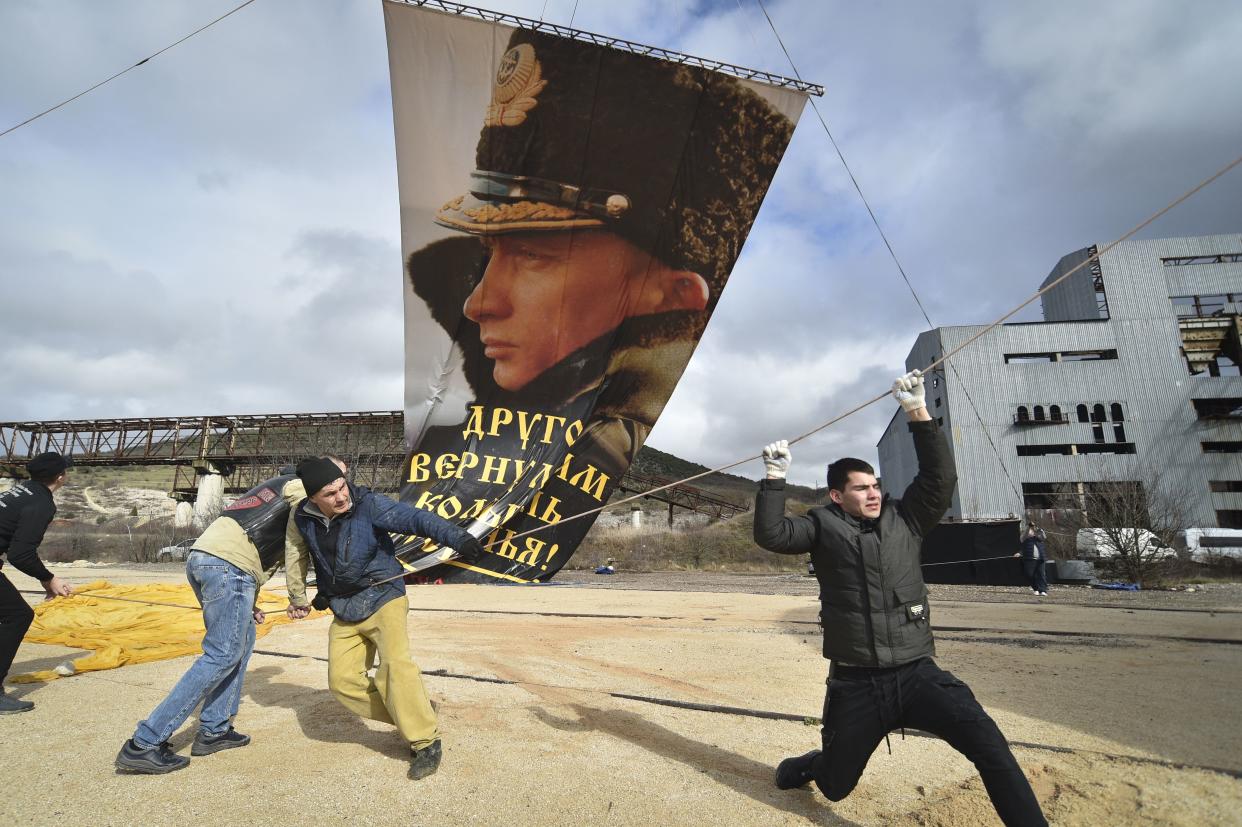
1133, 376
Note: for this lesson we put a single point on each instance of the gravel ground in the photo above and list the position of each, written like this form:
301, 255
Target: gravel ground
1117, 715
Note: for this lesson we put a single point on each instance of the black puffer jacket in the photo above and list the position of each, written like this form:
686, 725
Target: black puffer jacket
874, 607
26, 510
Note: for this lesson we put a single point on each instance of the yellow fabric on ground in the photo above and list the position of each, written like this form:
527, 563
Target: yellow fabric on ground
120, 631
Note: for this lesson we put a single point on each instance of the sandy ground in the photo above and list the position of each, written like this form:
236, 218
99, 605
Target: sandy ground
1121, 714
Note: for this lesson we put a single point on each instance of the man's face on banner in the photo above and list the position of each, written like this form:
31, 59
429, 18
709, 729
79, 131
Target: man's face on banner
545, 295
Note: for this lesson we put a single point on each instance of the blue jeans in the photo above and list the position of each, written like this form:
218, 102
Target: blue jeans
215, 680
1035, 571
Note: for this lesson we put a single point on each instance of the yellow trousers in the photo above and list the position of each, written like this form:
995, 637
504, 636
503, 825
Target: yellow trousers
396, 694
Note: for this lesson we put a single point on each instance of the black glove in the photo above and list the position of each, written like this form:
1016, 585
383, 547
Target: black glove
320, 602
469, 548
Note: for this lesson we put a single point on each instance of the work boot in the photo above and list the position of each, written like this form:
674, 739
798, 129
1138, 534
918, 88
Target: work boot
795, 772
149, 760
425, 761
11, 706
207, 744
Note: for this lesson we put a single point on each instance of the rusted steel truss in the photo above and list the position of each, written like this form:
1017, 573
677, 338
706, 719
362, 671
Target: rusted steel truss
247, 449
681, 496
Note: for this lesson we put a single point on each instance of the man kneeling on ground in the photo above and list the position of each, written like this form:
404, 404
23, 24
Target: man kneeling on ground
344, 530
875, 615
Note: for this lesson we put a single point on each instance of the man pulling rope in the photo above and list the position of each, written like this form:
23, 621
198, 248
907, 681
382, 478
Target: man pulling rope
876, 619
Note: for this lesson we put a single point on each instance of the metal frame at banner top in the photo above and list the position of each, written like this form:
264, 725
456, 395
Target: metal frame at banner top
615, 43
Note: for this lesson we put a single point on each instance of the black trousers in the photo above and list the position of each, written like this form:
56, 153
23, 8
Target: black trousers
15, 618
864, 705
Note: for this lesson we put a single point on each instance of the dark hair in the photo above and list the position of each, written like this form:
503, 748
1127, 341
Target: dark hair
839, 472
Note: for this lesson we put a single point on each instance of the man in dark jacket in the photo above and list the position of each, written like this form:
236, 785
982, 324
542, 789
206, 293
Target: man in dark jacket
26, 510
1034, 558
345, 531
876, 619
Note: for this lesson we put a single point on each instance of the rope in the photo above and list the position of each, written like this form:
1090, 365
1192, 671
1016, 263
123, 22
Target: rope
960, 562
751, 712
1095, 257
381, 582
892, 253
127, 600
123, 71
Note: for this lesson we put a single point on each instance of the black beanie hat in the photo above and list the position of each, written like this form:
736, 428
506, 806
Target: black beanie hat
47, 465
316, 472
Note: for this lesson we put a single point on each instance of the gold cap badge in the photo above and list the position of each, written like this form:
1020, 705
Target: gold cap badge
518, 83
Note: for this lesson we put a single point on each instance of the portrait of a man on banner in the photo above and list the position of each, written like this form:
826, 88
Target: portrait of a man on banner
610, 197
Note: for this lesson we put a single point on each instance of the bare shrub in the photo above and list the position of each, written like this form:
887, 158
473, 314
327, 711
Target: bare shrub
68, 542
1126, 514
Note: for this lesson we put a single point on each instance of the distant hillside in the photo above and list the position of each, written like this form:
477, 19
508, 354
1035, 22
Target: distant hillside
655, 463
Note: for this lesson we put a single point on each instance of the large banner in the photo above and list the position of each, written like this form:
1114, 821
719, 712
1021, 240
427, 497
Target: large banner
570, 214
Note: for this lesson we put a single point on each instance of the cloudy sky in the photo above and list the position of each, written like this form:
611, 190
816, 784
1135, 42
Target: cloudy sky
217, 231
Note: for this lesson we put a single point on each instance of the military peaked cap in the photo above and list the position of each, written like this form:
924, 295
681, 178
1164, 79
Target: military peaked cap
674, 158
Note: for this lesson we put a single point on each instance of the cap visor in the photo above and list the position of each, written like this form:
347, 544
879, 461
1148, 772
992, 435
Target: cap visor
469, 214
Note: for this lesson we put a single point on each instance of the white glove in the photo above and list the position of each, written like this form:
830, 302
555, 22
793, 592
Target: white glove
909, 391
776, 459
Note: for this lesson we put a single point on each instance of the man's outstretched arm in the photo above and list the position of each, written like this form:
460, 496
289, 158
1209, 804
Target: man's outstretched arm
931, 493
773, 530
399, 518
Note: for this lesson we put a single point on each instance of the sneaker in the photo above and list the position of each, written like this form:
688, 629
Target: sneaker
149, 761
795, 772
11, 706
1043, 594
207, 744
425, 761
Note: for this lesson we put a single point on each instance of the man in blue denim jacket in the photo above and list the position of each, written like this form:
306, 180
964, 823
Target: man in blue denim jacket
345, 531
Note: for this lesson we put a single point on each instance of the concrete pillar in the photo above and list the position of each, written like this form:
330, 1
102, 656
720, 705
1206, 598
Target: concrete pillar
183, 517
210, 499
636, 516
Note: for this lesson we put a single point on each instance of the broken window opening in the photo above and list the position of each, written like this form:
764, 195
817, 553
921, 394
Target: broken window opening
1106, 448
1211, 258
1228, 518
1088, 355
1044, 450
1029, 358
1220, 407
